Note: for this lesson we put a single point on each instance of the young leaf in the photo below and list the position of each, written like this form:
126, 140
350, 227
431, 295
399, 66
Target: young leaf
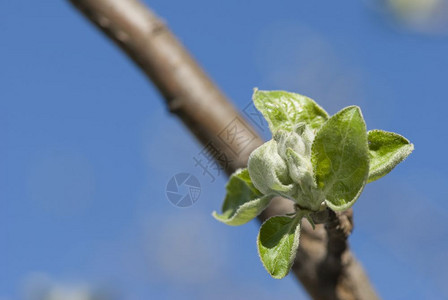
386, 150
340, 158
285, 110
268, 170
300, 169
243, 201
277, 243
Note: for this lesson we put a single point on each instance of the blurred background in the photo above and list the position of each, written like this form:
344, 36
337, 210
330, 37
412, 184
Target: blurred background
88, 147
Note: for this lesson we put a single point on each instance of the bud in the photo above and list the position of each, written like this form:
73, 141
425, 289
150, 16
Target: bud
282, 166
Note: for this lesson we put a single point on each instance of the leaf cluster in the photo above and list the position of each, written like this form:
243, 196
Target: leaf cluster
313, 159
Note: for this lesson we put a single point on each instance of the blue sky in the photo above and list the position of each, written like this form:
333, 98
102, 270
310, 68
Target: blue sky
88, 147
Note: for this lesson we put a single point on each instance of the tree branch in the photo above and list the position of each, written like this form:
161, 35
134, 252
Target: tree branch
324, 264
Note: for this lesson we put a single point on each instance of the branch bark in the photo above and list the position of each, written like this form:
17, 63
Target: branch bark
324, 264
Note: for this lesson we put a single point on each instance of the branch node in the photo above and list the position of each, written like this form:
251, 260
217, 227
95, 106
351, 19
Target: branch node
175, 104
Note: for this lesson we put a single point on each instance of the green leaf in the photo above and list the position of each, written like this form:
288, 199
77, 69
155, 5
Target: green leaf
386, 150
277, 243
243, 201
301, 171
268, 170
340, 158
285, 110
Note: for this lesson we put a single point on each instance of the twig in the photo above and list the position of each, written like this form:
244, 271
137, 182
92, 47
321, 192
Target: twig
325, 266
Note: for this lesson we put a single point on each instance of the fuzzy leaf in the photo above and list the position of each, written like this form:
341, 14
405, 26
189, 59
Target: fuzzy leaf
285, 110
277, 243
300, 169
386, 150
340, 158
243, 201
268, 170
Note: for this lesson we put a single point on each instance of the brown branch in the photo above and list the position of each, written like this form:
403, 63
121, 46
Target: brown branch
337, 265
324, 264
